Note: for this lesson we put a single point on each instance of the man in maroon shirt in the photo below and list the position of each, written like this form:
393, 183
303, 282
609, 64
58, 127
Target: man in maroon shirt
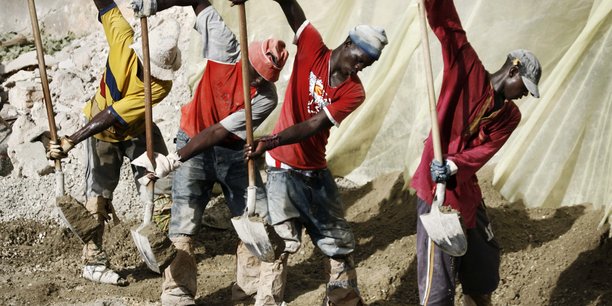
323, 90
476, 115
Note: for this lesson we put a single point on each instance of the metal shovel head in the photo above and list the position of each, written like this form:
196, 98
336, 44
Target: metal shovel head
444, 229
252, 230
154, 247
80, 221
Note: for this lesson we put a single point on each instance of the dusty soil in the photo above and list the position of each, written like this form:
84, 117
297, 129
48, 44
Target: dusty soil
550, 257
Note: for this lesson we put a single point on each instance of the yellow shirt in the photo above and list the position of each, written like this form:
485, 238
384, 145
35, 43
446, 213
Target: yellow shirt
121, 89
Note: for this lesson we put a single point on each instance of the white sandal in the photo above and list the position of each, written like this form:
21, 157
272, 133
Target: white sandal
103, 274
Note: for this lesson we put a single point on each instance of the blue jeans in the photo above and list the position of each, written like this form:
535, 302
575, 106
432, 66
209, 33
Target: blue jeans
312, 199
193, 182
104, 160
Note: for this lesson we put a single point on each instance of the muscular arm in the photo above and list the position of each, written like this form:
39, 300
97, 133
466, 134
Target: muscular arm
292, 134
204, 140
97, 124
305, 129
294, 13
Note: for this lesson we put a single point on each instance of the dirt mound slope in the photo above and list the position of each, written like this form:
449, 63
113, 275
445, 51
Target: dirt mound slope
550, 257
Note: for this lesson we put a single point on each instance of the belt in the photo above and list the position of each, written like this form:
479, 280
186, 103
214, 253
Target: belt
272, 162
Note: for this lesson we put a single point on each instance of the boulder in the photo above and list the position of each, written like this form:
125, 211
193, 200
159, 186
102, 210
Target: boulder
28, 158
25, 60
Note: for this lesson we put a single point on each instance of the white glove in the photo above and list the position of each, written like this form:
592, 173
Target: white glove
143, 8
59, 150
163, 165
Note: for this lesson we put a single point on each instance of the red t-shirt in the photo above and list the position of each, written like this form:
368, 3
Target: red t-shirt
309, 92
468, 137
218, 95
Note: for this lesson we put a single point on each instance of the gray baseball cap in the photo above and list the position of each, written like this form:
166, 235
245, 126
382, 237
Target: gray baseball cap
529, 68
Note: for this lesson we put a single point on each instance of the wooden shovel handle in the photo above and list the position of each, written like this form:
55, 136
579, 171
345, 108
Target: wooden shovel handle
42, 68
435, 129
146, 65
246, 87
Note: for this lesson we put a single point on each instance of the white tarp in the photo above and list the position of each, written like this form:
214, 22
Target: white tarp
560, 155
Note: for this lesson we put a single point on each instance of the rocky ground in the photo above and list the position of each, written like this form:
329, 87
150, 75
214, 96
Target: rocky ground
550, 257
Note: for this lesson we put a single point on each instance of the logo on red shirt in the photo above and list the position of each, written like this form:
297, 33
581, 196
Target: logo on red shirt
318, 96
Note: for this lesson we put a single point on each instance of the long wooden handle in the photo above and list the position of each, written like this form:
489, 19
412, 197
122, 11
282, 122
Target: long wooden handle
42, 68
435, 129
246, 88
146, 65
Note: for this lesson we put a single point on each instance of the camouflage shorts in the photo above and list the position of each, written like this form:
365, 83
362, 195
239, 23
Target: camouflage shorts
161, 212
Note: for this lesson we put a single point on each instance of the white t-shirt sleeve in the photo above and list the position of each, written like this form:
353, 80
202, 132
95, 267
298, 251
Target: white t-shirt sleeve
261, 106
299, 31
219, 42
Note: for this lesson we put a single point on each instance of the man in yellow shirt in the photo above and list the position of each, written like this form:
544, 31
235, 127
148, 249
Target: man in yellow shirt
116, 122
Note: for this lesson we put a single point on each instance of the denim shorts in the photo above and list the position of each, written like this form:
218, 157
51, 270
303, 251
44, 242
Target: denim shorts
311, 198
193, 183
104, 160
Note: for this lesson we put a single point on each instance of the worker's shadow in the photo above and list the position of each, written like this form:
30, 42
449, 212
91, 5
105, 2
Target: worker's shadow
587, 280
375, 227
516, 228
395, 219
380, 226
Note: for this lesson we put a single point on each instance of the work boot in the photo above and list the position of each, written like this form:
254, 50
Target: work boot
177, 297
477, 300
103, 274
342, 287
326, 302
272, 282
247, 276
180, 278
94, 257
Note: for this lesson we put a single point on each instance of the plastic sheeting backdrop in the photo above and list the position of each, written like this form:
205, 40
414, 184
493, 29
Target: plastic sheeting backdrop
561, 154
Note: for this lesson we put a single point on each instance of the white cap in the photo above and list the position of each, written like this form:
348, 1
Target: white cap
163, 50
370, 39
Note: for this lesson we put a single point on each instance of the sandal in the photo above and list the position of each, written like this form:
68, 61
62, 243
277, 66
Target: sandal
103, 274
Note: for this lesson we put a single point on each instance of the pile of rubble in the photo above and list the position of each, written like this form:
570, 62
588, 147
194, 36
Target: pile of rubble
74, 73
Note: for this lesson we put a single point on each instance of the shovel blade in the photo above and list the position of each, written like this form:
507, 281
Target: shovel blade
80, 221
444, 229
154, 247
255, 237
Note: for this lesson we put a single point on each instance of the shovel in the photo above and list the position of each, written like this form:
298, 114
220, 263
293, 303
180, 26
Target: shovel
250, 228
74, 214
442, 222
153, 245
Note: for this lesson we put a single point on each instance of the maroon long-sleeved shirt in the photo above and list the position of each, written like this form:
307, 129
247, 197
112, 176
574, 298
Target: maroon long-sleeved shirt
469, 135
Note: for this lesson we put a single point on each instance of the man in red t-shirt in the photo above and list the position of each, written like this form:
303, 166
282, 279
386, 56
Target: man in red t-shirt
476, 115
323, 90
210, 142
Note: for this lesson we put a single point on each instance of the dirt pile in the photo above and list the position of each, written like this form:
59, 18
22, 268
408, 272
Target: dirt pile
550, 257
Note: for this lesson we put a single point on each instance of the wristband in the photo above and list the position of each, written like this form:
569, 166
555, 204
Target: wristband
270, 142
